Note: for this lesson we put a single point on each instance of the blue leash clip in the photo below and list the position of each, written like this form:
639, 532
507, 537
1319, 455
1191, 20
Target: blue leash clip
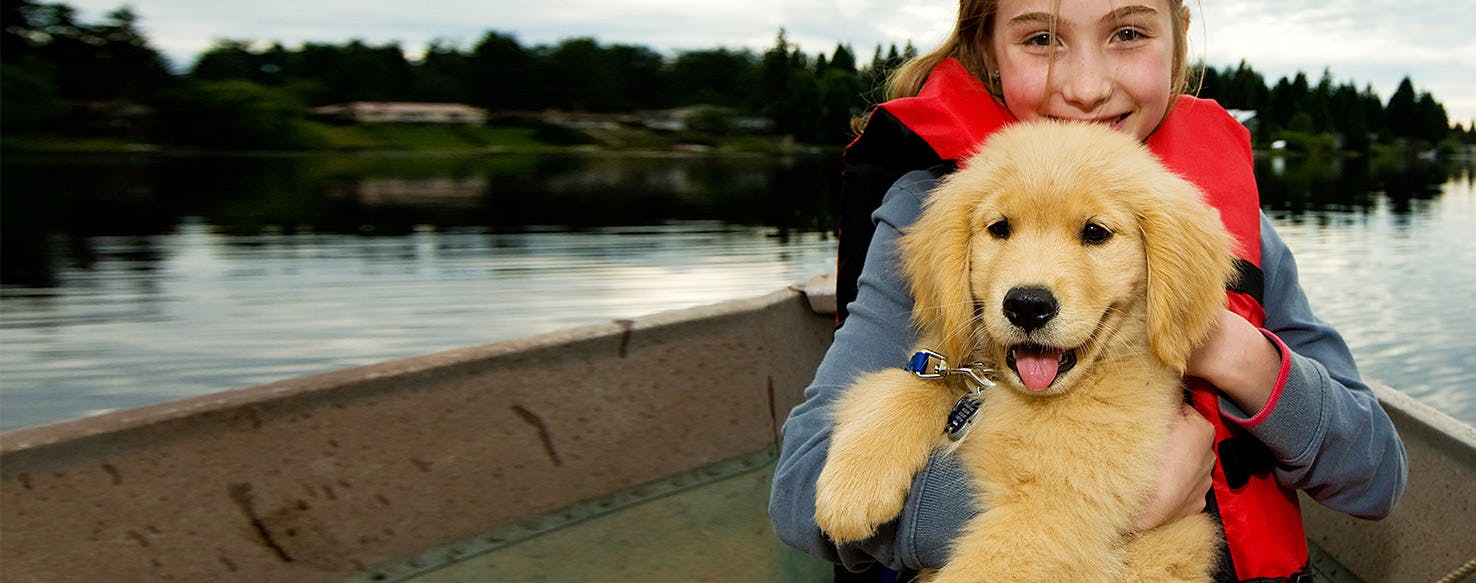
918, 365
926, 364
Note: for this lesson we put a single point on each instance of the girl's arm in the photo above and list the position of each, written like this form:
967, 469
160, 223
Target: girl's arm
878, 334
1325, 426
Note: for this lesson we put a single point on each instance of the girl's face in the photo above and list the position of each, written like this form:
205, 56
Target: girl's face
1106, 61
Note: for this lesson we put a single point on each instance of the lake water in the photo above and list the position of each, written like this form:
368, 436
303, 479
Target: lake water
131, 280
1396, 273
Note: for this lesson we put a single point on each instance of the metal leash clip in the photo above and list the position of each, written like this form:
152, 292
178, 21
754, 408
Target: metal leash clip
926, 364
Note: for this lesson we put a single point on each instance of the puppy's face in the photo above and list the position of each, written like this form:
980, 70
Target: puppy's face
1058, 245
1058, 274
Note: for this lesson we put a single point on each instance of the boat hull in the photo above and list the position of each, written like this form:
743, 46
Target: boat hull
402, 469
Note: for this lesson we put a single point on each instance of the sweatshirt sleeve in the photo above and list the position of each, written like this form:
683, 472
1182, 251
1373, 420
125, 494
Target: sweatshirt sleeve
1330, 436
878, 334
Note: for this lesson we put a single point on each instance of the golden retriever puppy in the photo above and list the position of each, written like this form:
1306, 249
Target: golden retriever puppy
1067, 259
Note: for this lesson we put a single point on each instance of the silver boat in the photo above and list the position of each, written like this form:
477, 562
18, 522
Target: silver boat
634, 450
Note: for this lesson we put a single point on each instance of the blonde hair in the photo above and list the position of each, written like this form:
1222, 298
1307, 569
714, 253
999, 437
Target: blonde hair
970, 44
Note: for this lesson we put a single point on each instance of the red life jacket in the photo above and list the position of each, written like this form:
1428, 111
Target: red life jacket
953, 115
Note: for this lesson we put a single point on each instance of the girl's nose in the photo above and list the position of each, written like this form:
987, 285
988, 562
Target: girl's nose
1086, 80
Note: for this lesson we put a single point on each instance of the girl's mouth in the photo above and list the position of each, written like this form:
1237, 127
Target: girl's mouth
1115, 122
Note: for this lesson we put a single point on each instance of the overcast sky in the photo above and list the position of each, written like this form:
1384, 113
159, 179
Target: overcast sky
1367, 42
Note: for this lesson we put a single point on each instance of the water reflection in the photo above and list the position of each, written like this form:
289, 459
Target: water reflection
1307, 187
130, 280
1386, 255
53, 207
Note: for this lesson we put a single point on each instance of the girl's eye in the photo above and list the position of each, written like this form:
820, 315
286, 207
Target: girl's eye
1000, 229
1039, 39
1095, 234
1128, 34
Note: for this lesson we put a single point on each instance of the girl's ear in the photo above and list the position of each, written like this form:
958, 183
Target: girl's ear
935, 259
1190, 261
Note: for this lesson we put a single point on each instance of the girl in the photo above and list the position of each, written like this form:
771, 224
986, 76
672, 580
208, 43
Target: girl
1289, 413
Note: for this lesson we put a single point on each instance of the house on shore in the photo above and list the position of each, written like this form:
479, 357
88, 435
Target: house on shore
404, 112
699, 117
1247, 117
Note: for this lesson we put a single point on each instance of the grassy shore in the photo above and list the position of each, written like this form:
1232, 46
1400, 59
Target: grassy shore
542, 138
448, 139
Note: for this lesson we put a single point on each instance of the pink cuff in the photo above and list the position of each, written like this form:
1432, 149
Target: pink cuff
1281, 376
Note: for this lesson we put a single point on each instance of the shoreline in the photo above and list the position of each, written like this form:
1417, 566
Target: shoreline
435, 140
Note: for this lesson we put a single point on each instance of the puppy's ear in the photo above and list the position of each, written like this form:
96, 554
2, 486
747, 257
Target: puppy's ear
1190, 261
935, 259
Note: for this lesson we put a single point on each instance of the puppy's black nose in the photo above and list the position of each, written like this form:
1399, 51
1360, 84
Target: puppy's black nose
1030, 307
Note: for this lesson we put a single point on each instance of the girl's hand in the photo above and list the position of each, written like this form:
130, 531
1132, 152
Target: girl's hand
1184, 476
1238, 360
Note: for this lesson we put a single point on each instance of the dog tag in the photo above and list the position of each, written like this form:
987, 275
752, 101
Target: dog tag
965, 411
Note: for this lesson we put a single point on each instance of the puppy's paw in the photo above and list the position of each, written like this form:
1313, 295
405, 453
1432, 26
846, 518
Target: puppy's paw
885, 426
850, 505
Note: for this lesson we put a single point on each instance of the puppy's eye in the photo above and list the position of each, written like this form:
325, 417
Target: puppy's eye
1000, 229
1095, 234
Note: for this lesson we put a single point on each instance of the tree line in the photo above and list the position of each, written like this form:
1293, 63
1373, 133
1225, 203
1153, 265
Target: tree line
1355, 116
56, 69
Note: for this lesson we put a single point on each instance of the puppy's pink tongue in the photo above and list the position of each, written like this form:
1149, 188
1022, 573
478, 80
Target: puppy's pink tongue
1037, 369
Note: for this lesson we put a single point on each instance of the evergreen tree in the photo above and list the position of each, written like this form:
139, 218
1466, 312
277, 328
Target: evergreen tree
443, 74
798, 110
502, 74
718, 77
1431, 122
127, 67
111, 60
1318, 105
1347, 111
640, 79
840, 97
1373, 113
843, 60
227, 59
1245, 88
875, 75
355, 71
1208, 84
575, 76
773, 72
1401, 113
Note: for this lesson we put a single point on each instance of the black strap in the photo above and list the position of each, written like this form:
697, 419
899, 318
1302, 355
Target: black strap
1243, 457
1249, 280
885, 151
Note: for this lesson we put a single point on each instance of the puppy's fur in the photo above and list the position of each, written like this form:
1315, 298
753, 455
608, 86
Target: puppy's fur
1134, 264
